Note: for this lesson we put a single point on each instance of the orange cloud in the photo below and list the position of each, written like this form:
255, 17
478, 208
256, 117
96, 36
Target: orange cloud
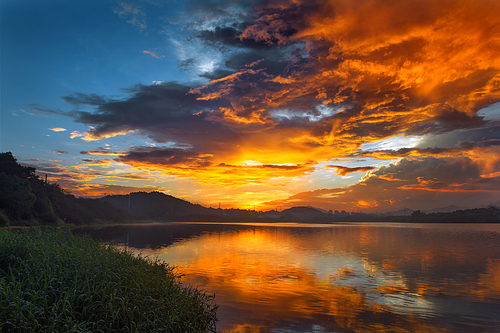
153, 54
198, 169
307, 82
342, 171
399, 69
409, 183
58, 129
390, 178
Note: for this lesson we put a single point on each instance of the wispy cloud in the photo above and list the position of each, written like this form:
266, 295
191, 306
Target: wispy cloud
57, 129
153, 54
132, 14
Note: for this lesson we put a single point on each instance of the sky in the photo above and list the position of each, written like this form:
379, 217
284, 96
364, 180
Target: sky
356, 105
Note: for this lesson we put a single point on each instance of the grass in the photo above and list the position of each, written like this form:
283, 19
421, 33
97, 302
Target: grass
53, 281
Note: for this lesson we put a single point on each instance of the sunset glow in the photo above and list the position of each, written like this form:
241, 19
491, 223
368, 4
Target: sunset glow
338, 104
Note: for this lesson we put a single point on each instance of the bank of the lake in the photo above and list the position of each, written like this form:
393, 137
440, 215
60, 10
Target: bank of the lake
53, 281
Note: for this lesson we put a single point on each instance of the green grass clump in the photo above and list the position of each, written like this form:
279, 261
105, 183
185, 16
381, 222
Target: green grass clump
53, 281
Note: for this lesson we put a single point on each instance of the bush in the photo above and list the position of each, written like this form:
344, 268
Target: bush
52, 281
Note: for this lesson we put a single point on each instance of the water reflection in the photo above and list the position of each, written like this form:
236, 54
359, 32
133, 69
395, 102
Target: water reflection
334, 278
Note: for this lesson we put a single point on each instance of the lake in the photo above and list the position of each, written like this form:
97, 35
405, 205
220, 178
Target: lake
349, 277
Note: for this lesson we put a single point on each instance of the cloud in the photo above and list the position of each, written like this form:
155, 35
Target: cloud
202, 168
80, 180
78, 99
153, 54
40, 111
132, 14
166, 157
398, 78
417, 183
58, 129
343, 171
158, 3
60, 152
297, 84
103, 151
99, 190
76, 134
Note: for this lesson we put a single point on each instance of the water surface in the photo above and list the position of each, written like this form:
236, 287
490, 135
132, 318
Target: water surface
358, 277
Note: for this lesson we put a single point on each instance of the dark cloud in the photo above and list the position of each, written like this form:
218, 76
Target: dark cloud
49, 168
102, 151
41, 111
216, 74
484, 137
77, 99
227, 37
164, 112
452, 144
158, 156
308, 166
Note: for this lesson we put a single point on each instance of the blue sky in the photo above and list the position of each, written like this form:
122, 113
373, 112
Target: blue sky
252, 102
54, 48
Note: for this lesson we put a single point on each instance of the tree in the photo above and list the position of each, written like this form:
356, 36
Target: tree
9, 165
16, 197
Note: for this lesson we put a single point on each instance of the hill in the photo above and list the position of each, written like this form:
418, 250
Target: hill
157, 205
302, 214
401, 212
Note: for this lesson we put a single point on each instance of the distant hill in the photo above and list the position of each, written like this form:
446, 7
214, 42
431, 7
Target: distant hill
156, 205
321, 210
447, 209
303, 211
160, 206
401, 212
495, 204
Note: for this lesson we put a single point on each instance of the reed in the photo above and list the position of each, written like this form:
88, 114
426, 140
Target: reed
53, 281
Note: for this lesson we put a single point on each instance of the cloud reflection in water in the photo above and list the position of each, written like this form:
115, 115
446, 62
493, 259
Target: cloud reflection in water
342, 278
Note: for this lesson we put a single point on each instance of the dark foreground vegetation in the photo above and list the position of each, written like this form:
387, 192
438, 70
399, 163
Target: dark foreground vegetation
25, 199
52, 281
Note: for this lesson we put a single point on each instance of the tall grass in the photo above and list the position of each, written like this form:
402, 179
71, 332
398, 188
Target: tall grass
52, 281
